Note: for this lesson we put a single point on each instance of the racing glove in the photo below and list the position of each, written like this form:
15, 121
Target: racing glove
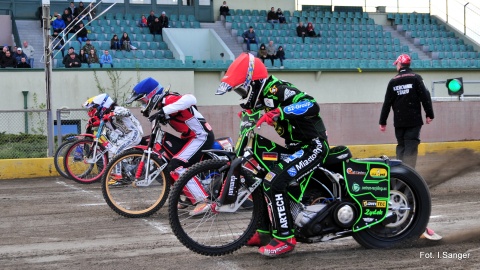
159, 116
108, 116
93, 121
270, 117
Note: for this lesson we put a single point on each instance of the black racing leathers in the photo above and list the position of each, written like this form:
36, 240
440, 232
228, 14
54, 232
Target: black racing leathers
406, 93
300, 119
302, 128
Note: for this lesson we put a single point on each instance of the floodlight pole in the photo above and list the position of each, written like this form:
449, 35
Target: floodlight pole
465, 18
48, 72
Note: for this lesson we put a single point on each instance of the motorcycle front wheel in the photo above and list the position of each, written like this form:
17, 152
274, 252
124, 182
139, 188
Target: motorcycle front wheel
409, 210
59, 156
132, 196
80, 163
213, 233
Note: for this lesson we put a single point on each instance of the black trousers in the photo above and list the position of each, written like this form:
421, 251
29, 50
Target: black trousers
408, 139
290, 169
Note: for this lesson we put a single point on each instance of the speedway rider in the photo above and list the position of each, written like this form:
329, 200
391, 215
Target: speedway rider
296, 117
182, 115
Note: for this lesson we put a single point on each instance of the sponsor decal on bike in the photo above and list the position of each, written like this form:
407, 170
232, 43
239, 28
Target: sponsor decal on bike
351, 171
288, 93
318, 150
295, 155
292, 172
368, 219
269, 176
270, 156
378, 172
282, 216
274, 90
169, 143
231, 188
374, 188
376, 212
355, 187
374, 204
298, 108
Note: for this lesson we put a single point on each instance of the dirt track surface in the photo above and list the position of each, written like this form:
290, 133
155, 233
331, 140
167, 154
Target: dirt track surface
55, 223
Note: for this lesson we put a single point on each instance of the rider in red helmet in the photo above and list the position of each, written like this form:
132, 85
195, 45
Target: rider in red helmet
295, 116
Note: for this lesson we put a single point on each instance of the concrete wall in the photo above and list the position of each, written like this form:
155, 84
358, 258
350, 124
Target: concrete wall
6, 30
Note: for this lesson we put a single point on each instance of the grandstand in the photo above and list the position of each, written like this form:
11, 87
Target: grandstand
350, 39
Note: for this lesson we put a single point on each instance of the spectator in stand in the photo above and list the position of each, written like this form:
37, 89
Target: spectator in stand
281, 17
67, 14
72, 61
82, 33
59, 24
83, 56
71, 50
280, 55
262, 52
125, 42
224, 10
272, 16
54, 17
8, 61
311, 30
106, 59
301, 31
157, 27
115, 43
69, 28
249, 37
143, 21
18, 55
93, 58
57, 43
73, 10
29, 51
91, 11
151, 18
88, 46
163, 21
80, 10
23, 63
4, 50
271, 52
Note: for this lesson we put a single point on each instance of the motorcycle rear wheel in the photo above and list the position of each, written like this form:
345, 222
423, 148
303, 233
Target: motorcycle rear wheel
59, 156
212, 234
129, 199
410, 202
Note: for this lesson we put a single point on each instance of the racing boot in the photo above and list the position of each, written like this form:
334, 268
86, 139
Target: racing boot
278, 247
260, 238
430, 234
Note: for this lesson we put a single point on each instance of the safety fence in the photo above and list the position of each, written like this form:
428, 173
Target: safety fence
23, 133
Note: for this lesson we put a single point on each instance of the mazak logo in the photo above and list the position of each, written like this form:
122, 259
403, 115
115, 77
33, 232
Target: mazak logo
298, 108
282, 216
231, 188
355, 187
351, 171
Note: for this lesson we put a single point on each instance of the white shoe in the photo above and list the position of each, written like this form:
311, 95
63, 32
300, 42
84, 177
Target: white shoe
201, 208
281, 67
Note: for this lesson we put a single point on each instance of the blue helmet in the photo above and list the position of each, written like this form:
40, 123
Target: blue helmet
150, 92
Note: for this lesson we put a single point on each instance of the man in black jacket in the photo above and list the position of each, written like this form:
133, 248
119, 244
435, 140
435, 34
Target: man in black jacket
151, 18
406, 93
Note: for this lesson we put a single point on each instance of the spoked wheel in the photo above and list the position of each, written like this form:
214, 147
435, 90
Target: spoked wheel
216, 230
127, 190
59, 156
408, 213
85, 161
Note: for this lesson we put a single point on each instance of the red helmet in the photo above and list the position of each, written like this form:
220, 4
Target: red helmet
403, 59
245, 69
